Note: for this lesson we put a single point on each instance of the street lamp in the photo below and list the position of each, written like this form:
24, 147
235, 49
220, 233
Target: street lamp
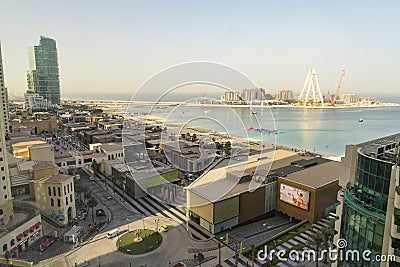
145, 239
123, 190
127, 218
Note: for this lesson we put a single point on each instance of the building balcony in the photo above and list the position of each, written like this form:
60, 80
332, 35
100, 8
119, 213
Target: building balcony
394, 229
351, 199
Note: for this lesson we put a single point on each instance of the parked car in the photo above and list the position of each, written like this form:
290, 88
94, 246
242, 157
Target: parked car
163, 228
100, 212
108, 196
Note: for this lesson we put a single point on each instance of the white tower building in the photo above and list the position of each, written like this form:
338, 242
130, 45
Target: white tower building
4, 98
6, 206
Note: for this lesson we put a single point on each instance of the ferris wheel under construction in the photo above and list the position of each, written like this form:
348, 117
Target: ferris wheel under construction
311, 94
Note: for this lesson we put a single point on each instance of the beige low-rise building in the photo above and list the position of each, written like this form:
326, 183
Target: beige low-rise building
24, 230
233, 193
310, 194
113, 154
21, 149
53, 192
237, 193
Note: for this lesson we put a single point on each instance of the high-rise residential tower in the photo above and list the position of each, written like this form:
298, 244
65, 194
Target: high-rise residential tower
4, 98
369, 214
43, 74
6, 206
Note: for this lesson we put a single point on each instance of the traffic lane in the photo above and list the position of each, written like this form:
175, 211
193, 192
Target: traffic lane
74, 142
60, 148
119, 213
173, 248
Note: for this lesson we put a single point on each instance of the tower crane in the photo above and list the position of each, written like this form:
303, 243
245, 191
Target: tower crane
334, 98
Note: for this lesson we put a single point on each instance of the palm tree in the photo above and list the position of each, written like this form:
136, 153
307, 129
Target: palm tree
219, 254
228, 148
7, 256
315, 242
91, 204
326, 232
95, 166
329, 233
200, 258
253, 247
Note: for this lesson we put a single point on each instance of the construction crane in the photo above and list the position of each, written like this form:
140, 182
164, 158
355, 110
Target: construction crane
333, 99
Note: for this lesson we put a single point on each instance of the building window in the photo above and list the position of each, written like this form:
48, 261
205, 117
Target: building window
396, 216
59, 191
52, 202
65, 190
4, 247
58, 203
49, 191
70, 198
5, 196
68, 188
66, 201
1, 212
54, 190
3, 178
12, 242
4, 187
395, 243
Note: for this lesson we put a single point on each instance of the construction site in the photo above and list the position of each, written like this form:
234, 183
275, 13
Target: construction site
311, 96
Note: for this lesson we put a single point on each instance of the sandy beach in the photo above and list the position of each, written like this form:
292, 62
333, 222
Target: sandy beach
221, 137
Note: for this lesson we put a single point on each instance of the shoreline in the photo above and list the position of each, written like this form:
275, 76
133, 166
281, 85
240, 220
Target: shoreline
251, 141
167, 104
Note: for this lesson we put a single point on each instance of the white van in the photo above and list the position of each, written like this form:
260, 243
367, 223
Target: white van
77, 177
113, 233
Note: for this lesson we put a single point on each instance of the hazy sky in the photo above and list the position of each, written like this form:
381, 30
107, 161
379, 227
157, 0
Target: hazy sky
105, 48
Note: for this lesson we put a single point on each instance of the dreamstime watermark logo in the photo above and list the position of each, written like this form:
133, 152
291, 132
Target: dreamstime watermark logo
165, 142
339, 253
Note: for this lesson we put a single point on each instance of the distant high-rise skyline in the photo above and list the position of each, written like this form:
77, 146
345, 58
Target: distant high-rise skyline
6, 207
43, 74
272, 42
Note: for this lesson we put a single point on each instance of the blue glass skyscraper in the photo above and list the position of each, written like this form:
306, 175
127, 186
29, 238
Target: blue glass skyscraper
43, 74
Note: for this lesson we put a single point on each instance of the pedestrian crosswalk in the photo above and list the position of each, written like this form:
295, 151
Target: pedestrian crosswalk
150, 206
300, 239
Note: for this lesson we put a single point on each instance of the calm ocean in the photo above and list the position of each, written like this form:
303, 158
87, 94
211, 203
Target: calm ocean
323, 130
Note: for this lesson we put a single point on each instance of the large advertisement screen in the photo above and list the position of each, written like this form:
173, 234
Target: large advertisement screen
295, 196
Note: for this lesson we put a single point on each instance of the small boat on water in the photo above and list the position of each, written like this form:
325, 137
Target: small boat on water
360, 120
